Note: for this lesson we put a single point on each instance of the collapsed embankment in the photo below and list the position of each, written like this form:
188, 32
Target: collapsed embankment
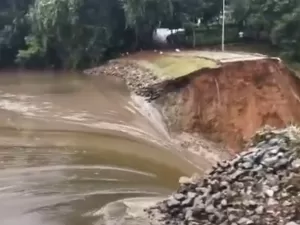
228, 104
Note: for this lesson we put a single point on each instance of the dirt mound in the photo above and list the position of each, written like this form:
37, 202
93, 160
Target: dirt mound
228, 104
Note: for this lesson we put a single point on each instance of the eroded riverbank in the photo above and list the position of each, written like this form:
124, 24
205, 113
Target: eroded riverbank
225, 99
224, 105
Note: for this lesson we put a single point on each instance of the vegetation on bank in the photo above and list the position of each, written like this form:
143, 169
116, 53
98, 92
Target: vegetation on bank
168, 66
82, 33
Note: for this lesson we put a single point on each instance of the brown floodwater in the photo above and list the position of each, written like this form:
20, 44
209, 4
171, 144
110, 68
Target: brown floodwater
71, 145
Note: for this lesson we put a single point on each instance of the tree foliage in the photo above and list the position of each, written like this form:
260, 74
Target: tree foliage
286, 31
72, 31
277, 21
78, 33
144, 16
13, 29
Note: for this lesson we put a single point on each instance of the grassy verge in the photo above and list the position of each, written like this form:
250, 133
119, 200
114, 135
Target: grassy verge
168, 66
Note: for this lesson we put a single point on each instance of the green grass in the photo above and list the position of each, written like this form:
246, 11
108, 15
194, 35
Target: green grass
175, 66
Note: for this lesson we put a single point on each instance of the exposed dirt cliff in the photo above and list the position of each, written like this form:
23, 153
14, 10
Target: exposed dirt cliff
228, 104
225, 101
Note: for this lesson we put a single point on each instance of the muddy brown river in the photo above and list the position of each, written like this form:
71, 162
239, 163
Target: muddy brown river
74, 149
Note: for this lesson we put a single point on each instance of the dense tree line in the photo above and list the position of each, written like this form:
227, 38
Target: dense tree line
77, 33
274, 21
80, 33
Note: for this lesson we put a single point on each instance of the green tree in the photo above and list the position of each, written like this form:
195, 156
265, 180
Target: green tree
74, 32
144, 16
262, 15
286, 33
77, 33
241, 11
210, 10
191, 12
13, 29
279, 20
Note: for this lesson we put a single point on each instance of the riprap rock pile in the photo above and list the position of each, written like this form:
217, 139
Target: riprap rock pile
259, 186
137, 78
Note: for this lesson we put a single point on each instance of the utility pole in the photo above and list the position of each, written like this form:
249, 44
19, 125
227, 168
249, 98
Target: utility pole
223, 26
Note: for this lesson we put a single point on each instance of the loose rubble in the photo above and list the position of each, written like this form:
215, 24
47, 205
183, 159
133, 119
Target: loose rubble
259, 186
138, 79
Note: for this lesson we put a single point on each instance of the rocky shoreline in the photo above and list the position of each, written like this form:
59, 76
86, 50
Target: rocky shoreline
138, 79
259, 186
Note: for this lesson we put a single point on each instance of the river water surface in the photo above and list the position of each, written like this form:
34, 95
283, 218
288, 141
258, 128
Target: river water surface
73, 147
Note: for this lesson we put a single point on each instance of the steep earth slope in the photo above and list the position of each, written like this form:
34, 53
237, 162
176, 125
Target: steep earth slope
225, 103
230, 103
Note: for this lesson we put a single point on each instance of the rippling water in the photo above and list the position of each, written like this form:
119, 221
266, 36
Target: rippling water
70, 145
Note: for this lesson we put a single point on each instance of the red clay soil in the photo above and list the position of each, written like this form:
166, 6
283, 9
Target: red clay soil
230, 103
